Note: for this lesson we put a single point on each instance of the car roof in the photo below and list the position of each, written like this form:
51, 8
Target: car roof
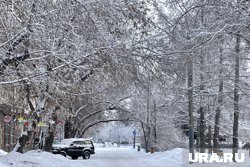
77, 139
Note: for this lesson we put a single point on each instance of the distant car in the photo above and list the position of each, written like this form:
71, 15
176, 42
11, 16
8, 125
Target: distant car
74, 147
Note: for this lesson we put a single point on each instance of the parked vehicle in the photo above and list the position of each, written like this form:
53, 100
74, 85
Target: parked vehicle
74, 147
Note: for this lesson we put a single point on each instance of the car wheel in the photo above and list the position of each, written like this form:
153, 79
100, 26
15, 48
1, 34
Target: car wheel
63, 154
86, 155
74, 157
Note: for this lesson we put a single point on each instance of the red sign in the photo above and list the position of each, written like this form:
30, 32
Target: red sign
7, 119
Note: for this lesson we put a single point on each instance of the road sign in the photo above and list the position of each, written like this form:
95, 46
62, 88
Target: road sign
134, 132
7, 119
42, 124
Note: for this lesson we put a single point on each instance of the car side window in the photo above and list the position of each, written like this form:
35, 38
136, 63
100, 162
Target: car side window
75, 143
80, 143
87, 143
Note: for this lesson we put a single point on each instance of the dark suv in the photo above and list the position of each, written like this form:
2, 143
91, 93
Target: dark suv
74, 147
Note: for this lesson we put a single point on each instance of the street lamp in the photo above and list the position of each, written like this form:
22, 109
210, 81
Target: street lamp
134, 133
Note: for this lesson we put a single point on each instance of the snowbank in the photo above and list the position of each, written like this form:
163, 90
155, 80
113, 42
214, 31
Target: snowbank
2, 153
171, 158
35, 159
2, 165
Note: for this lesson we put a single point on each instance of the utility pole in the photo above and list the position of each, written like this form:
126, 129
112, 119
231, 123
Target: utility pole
190, 105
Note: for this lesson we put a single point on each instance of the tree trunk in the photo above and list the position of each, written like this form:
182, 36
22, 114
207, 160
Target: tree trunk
190, 105
202, 130
68, 129
51, 132
144, 129
22, 140
209, 137
49, 141
148, 129
148, 118
202, 110
236, 96
220, 103
198, 136
154, 126
202, 88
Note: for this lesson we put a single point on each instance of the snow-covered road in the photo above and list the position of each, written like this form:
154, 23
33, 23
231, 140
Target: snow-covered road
117, 158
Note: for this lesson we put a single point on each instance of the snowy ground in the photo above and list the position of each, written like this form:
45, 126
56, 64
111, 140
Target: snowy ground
107, 157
